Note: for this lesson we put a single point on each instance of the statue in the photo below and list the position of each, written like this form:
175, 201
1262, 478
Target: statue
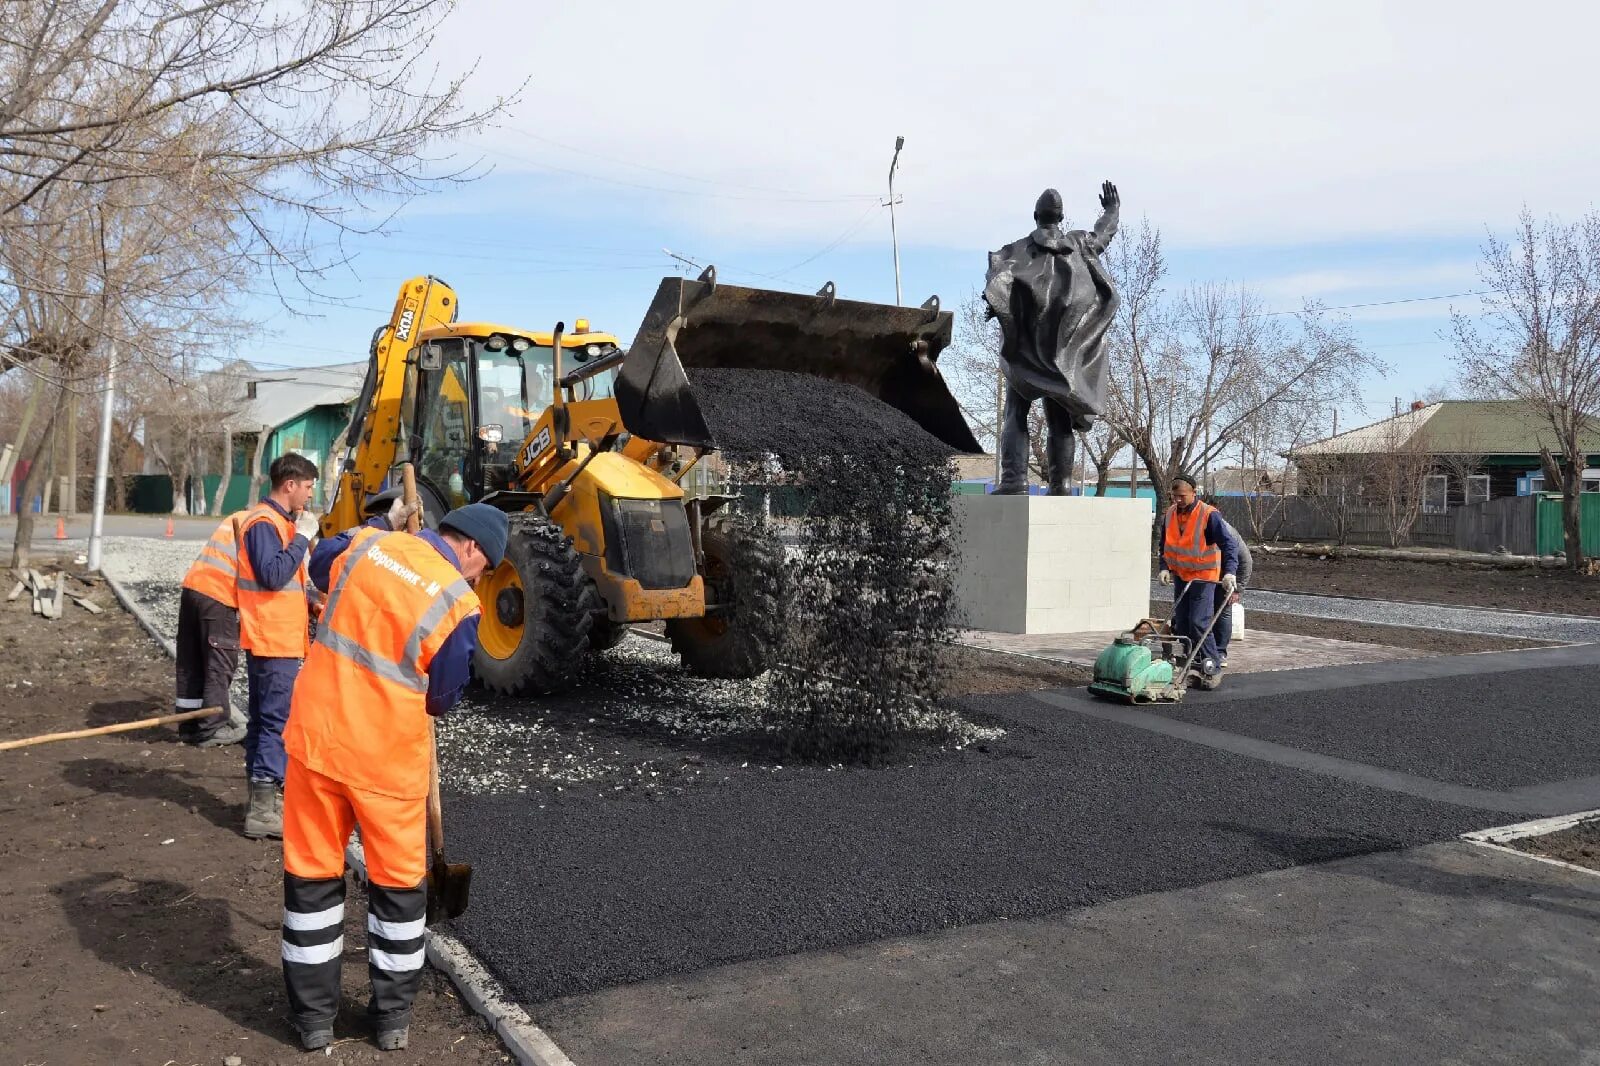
1055, 302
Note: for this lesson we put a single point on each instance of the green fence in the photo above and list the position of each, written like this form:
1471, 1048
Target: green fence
1551, 537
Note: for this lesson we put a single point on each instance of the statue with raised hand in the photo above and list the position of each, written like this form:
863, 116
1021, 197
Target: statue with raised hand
1055, 302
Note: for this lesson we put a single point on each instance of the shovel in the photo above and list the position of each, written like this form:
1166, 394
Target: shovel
448, 882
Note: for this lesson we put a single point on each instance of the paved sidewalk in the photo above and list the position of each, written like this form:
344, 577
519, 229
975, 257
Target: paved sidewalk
1252, 651
1444, 953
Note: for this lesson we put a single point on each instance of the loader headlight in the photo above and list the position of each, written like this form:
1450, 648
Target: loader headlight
520, 344
495, 343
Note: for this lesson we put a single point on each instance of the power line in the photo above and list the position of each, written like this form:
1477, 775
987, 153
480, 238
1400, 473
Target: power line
1381, 303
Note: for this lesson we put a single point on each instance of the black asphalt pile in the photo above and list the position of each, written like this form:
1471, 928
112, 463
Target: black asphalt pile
860, 601
1062, 811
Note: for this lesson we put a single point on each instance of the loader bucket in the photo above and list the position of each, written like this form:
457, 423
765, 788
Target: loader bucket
889, 352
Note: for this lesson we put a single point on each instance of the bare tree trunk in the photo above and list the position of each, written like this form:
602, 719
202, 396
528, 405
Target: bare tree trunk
180, 483
1102, 480
21, 550
227, 472
22, 431
255, 464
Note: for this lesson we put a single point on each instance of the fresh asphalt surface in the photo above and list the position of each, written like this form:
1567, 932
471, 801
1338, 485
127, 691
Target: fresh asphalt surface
1068, 810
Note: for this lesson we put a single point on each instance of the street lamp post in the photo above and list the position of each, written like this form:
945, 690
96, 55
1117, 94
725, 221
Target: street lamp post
894, 233
102, 464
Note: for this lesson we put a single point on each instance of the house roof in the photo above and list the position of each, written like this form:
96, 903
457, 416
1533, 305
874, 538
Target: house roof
1450, 427
284, 395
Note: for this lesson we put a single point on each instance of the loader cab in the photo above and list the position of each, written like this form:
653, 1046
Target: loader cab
479, 390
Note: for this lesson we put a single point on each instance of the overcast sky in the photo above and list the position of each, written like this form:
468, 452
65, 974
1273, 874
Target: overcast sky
1351, 152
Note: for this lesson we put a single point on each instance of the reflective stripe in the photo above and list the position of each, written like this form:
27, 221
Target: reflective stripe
301, 921
231, 569
396, 930
395, 963
399, 673
441, 606
188, 704
312, 954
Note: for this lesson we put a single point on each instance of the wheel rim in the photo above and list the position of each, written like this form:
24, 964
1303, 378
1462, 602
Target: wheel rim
498, 637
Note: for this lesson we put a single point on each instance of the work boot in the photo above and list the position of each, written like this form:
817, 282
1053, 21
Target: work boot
314, 1039
1211, 682
264, 818
393, 1039
230, 730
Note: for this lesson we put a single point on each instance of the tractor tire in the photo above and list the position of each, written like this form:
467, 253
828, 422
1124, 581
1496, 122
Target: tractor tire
741, 571
538, 606
606, 634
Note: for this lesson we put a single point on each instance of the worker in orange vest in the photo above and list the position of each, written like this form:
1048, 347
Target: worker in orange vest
208, 640
393, 647
273, 619
1198, 557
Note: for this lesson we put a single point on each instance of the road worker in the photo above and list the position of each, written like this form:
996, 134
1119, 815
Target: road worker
273, 616
208, 640
393, 647
1197, 559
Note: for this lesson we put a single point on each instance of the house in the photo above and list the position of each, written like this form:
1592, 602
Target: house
302, 410
1457, 451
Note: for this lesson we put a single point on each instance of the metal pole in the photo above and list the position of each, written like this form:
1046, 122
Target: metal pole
894, 233
102, 464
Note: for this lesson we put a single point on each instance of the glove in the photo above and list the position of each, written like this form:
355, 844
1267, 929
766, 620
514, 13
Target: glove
1165, 577
1229, 583
306, 525
399, 511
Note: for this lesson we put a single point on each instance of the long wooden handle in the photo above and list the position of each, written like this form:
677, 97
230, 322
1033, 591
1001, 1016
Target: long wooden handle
408, 493
120, 727
435, 805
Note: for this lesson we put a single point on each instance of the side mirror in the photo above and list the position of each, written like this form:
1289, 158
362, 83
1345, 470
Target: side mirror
431, 357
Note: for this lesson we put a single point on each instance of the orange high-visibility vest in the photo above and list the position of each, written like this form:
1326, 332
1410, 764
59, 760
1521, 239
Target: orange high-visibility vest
272, 623
215, 572
360, 708
1185, 551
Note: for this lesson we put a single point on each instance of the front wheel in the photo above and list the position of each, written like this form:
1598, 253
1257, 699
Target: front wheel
538, 607
734, 641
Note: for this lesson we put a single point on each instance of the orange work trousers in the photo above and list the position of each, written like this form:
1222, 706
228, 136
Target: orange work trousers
318, 814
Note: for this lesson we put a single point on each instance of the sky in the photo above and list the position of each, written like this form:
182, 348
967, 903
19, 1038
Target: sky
1354, 154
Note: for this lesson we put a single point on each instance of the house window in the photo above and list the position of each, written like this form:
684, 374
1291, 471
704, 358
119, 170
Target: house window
1435, 494
249, 390
1477, 488
1591, 484
1535, 485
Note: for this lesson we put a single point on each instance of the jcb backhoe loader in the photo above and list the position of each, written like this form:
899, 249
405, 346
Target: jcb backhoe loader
586, 445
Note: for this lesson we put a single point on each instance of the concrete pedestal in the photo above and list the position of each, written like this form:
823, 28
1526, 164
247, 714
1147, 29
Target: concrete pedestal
1052, 564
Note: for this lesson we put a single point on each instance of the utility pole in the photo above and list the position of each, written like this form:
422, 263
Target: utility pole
894, 233
102, 464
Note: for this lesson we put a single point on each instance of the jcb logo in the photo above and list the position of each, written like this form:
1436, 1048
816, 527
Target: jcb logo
406, 318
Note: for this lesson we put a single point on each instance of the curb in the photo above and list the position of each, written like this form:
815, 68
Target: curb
128, 604
1495, 839
528, 1044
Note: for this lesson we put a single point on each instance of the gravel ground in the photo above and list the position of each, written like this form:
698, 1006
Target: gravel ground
1064, 811
1459, 584
1544, 628
1497, 730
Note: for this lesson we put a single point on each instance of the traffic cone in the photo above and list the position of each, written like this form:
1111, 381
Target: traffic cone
61, 528
169, 528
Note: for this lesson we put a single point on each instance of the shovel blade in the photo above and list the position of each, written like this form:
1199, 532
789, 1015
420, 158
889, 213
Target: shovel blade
449, 886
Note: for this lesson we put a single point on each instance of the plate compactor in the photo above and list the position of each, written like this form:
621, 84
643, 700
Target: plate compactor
1149, 663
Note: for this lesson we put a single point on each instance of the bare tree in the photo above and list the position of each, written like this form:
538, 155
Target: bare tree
1538, 340
1188, 375
972, 363
1101, 446
1396, 479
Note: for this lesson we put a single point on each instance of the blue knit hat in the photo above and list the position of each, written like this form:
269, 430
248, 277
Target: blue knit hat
485, 524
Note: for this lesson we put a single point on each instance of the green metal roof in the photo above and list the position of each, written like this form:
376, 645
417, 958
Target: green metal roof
1461, 427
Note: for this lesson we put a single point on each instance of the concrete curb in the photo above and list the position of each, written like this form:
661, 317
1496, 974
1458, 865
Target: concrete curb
528, 1044
128, 604
1495, 839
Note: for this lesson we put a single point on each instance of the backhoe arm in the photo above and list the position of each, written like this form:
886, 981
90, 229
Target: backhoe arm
375, 438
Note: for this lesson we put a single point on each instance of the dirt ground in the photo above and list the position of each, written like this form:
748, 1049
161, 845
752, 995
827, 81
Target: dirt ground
1552, 591
974, 671
137, 924
1579, 845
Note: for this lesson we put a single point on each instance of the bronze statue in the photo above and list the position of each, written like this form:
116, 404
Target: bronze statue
1055, 302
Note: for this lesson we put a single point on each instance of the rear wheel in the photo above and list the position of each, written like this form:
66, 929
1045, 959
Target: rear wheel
538, 606
734, 641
